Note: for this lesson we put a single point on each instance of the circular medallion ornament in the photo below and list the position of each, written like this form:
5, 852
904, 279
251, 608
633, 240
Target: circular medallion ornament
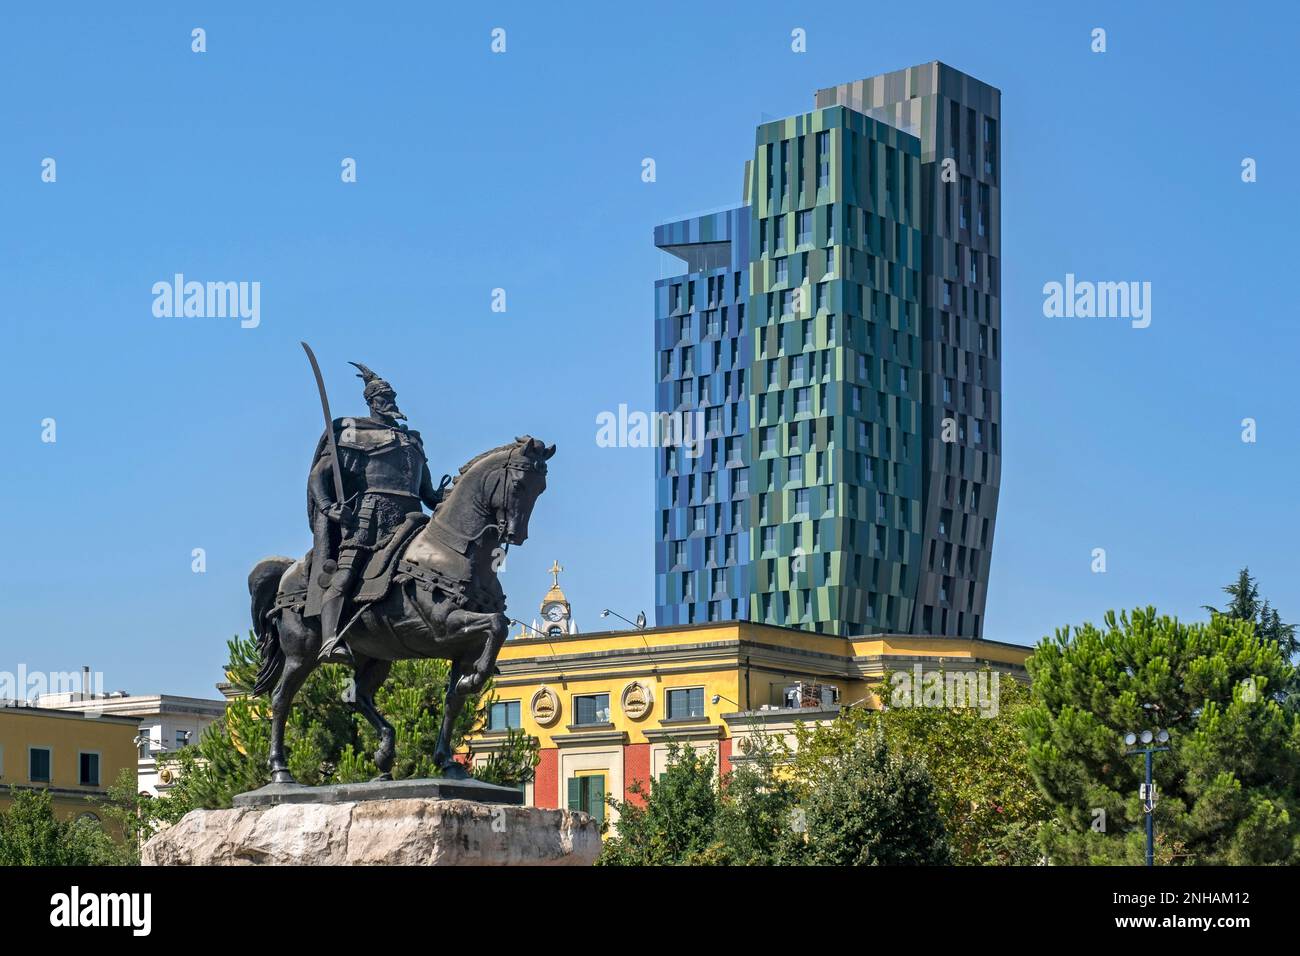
545, 706
637, 699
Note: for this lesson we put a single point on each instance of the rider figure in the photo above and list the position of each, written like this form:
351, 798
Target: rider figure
385, 477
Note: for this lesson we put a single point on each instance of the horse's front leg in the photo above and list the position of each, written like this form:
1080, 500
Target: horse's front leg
496, 628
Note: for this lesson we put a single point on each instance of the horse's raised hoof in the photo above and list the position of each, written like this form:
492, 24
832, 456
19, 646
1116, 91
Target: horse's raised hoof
282, 776
381, 778
455, 771
469, 685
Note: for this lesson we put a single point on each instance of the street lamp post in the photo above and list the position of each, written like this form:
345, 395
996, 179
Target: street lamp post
1147, 738
527, 627
639, 623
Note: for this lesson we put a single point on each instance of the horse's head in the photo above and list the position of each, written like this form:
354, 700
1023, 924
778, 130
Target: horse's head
524, 481
498, 489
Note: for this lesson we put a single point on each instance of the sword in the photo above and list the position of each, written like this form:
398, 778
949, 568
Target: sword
329, 424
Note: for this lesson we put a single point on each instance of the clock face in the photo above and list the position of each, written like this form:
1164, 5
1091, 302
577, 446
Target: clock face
554, 612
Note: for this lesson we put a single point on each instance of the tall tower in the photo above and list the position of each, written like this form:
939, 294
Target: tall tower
837, 338
958, 120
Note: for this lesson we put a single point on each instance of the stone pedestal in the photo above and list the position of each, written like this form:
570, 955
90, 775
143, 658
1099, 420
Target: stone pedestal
361, 825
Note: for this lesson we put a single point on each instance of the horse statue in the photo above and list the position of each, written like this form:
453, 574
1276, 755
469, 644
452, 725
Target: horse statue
431, 592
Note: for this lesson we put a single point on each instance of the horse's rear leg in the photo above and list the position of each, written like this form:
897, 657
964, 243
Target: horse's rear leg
454, 704
370, 675
296, 669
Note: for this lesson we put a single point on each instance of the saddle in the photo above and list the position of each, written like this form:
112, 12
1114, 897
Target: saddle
377, 576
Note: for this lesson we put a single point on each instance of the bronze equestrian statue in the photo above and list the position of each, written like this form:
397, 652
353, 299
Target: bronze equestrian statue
386, 582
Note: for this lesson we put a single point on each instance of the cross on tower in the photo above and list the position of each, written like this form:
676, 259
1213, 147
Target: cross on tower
555, 570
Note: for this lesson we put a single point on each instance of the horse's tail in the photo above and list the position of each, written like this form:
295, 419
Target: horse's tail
263, 585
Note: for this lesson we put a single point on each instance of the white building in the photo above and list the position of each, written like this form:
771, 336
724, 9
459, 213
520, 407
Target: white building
167, 723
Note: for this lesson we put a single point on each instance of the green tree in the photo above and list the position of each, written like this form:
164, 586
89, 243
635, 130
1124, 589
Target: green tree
31, 835
1247, 606
841, 799
757, 812
859, 804
127, 808
979, 764
1245, 598
1229, 787
327, 742
670, 822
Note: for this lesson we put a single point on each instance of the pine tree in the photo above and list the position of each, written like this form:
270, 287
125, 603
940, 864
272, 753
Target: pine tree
1229, 787
1283, 635
1245, 598
1247, 606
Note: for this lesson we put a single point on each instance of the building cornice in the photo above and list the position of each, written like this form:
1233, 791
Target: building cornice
755, 655
89, 792
59, 713
589, 738
494, 740
664, 734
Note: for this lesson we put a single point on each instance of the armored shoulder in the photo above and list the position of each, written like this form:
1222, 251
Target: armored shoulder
364, 436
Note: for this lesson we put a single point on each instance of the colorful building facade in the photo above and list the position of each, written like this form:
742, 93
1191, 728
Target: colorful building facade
845, 463
604, 707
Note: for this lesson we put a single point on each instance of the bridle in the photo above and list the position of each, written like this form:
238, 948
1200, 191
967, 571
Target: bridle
517, 464
515, 469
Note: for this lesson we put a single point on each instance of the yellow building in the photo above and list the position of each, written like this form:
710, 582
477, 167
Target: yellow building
75, 756
605, 706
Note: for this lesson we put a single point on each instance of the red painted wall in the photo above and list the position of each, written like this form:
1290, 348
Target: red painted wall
724, 755
636, 766
546, 780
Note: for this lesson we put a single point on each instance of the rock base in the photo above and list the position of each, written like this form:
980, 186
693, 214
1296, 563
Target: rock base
401, 832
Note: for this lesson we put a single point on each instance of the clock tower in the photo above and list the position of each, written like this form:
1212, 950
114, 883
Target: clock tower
557, 615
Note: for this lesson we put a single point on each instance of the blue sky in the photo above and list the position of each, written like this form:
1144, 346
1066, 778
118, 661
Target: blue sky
522, 171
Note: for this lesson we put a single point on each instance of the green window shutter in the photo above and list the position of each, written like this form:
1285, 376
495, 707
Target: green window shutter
575, 793
597, 798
